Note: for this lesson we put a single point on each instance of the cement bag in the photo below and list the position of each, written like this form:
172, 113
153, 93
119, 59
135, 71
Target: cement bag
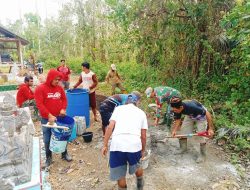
80, 125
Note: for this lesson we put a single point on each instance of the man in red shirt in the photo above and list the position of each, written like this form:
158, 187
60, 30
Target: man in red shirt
24, 92
51, 102
65, 71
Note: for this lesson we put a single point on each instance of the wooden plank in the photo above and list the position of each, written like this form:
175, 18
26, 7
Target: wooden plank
8, 48
8, 40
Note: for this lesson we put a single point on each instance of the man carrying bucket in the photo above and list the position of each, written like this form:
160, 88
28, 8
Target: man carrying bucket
51, 102
108, 105
128, 126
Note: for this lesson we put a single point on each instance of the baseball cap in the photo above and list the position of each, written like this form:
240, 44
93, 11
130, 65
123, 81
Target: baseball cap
148, 91
136, 95
113, 67
132, 98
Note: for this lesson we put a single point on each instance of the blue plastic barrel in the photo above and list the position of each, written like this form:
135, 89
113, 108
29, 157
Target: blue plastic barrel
78, 103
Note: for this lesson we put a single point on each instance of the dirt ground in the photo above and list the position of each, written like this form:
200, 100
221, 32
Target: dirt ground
166, 171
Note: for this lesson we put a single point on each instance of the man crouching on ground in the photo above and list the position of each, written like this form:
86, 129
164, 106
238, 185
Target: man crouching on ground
128, 124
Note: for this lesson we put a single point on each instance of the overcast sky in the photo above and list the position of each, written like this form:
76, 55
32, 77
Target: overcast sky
15, 9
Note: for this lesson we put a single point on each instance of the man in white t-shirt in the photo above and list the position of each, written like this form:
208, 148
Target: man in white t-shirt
128, 126
89, 81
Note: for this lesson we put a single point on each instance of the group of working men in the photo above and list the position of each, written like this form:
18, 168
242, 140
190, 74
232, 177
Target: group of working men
50, 99
128, 126
121, 118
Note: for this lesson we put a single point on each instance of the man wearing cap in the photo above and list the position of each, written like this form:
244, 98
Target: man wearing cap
108, 105
162, 94
195, 114
128, 127
114, 79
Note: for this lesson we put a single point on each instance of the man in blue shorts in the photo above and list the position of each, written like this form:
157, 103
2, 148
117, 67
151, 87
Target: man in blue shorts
108, 105
128, 126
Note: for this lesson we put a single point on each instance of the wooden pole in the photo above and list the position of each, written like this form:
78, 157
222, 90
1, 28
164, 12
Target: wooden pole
19, 52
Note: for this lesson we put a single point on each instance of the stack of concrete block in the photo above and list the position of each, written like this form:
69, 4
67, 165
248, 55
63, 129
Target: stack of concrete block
16, 138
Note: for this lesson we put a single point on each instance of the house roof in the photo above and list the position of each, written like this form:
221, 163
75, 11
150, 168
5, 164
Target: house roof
9, 34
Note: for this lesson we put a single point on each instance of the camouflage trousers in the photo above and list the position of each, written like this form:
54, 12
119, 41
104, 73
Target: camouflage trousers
169, 116
33, 109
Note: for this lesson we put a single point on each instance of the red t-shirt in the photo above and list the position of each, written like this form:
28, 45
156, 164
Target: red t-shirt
24, 93
65, 72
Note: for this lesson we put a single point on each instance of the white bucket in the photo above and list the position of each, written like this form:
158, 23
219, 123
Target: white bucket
145, 160
57, 146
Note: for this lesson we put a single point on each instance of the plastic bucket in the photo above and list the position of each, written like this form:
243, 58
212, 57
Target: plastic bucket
59, 137
87, 136
57, 146
78, 103
61, 134
145, 160
73, 134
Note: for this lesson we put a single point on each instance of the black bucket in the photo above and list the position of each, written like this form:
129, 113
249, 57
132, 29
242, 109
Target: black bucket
87, 137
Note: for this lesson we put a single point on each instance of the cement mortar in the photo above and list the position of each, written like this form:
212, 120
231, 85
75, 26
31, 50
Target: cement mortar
173, 167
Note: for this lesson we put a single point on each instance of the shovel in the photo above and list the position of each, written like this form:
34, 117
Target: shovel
55, 126
200, 134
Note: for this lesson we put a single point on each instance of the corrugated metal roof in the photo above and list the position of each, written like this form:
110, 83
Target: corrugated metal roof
9, 34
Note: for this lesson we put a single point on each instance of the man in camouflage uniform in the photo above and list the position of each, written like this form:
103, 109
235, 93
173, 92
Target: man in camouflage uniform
162, 94
114, 79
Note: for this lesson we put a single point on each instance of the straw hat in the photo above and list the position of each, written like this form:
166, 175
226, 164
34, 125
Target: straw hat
113, 67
